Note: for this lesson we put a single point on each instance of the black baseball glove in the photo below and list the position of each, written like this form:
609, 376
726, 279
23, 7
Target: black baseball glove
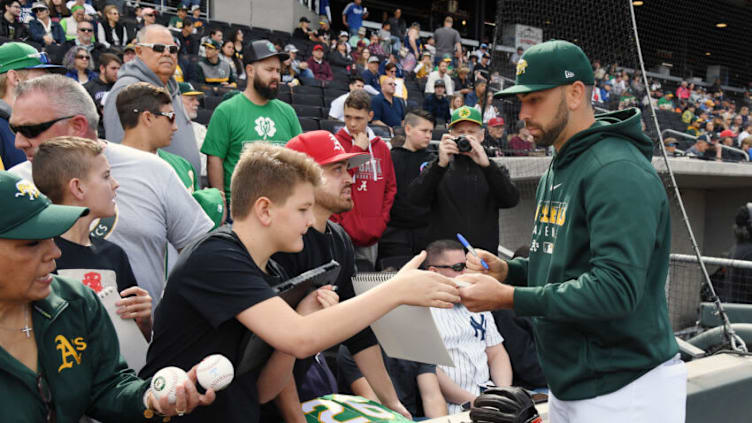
504, 405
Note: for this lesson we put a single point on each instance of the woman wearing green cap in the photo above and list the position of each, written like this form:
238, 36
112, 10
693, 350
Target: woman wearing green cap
59, 355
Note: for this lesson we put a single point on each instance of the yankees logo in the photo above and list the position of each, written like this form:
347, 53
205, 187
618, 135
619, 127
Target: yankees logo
265, 127
479, 327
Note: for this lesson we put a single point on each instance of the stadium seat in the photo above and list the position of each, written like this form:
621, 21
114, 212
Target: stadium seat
310, 82
307, 100
212, 101
285, 95
437, 133
307, 90
332, 126
204, 116
381, 131
309, 124
333, 92
338, 84
281, 35
307, 111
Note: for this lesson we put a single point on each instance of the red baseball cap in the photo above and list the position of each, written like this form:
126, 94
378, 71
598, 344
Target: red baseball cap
318, 47
497, 121
324, 148
727, 133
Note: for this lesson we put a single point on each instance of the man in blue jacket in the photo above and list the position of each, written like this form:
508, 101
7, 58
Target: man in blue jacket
599, 254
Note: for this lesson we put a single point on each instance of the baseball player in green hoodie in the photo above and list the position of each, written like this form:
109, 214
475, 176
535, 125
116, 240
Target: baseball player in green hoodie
599, 254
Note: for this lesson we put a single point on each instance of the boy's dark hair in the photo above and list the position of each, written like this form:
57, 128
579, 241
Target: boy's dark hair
359, 100
437, 248
106, 58
413, 117
137, 98
356, 78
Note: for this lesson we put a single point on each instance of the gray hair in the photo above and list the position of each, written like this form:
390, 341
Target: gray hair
70, 58
141, 34
66, 96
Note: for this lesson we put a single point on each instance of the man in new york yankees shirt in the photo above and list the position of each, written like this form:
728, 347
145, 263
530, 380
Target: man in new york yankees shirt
472, 339
375, 183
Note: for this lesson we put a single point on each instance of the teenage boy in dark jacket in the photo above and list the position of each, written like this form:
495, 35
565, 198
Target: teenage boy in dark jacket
599, 254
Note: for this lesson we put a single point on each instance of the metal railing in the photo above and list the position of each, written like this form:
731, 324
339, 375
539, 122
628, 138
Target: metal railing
694, 138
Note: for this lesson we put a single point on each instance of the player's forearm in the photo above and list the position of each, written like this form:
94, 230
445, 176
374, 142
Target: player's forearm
361, 388
371, 365
434, 406
452, 392
275, 376
288, 404
216, 173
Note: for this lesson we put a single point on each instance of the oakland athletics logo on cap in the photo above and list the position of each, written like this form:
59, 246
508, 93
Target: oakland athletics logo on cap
270, 46
464, 113
521, 66
25, 187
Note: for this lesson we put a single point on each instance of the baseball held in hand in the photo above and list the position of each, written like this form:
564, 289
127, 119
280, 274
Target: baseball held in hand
215, 372
166, 381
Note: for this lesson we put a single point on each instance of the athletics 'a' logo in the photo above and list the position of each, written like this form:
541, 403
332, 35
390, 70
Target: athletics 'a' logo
265, 127
68, 354
521, 66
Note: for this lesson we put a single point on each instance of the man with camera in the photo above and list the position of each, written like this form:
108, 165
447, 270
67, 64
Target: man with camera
463, 188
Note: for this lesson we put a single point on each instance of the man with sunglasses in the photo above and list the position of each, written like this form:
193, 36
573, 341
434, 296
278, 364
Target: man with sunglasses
18, 62
154, 208
149, 121
472, 339
155, 63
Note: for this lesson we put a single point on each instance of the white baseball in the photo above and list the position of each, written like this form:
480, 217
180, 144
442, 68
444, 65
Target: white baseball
215, 372
165, 381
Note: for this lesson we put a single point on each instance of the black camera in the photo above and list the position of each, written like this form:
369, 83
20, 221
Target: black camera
463, 144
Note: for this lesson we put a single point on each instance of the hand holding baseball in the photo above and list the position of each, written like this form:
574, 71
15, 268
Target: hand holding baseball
186, 397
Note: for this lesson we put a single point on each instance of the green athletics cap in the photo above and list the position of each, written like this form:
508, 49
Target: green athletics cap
548, 65
29, 214
16, 56
465, 113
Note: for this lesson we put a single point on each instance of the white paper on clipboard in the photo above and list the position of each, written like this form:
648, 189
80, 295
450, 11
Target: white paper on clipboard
407, 332
133, 346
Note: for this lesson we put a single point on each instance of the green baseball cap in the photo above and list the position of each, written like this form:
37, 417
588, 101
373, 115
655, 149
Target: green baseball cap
548, 65
16, 56
187, 89
212, 44
465, 113
29, 214
210, 199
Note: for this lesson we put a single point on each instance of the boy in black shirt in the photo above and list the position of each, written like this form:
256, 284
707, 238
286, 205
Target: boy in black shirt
75, 172
219, 293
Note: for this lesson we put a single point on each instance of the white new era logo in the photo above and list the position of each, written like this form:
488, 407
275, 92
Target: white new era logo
568, 74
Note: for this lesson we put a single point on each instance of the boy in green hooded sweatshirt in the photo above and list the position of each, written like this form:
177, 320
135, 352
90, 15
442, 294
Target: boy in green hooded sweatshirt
599, 254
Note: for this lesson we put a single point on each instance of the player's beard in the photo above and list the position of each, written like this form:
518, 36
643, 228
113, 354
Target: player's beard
335, 203
265, 91
550, 135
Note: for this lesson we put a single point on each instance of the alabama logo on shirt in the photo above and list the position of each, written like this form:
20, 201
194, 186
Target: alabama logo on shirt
265, 127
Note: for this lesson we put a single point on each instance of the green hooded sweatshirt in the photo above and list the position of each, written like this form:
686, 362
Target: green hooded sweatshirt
598, 262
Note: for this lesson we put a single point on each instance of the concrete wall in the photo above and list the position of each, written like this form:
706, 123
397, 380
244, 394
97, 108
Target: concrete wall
281, 15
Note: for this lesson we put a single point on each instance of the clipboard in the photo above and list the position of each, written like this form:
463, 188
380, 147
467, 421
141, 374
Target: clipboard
257, 351
133, 346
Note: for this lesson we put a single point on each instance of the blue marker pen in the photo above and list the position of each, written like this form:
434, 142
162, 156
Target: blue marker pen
472, 250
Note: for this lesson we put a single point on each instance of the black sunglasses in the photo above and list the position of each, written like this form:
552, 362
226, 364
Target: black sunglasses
33, 131
456, 267
44, 391
160, 48
169, 115
86, 29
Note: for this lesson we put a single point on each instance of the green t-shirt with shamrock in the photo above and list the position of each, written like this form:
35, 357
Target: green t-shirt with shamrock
238, 121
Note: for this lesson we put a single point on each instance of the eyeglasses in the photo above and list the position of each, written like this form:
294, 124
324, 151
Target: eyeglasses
160, 48
85, 29
33, 131
456, 267
169, 115
83, 57
44, 391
